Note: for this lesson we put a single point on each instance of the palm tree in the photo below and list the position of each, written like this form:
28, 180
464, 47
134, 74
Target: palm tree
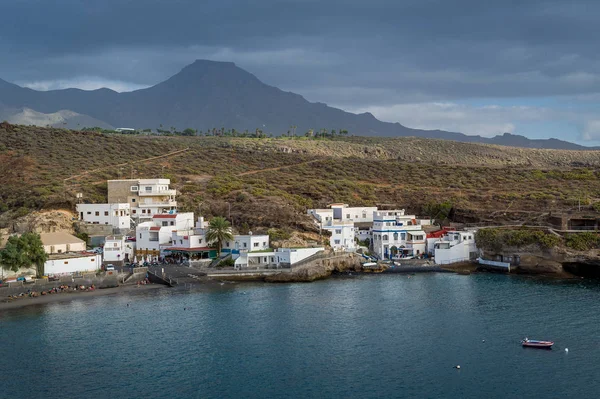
219, 230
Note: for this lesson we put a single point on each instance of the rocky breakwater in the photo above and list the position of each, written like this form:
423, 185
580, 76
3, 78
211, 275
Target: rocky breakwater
318, 269
559, 261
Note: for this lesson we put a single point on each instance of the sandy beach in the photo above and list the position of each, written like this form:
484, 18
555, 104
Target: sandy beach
7, 304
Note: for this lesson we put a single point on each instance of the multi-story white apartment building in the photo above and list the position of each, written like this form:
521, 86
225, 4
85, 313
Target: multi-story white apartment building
455, 246
192, 242
146, 197
342, 234
116, 215
157, 233
397, 235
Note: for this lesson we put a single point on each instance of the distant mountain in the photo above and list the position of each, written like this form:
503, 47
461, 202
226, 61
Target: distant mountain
64, 118
209, 94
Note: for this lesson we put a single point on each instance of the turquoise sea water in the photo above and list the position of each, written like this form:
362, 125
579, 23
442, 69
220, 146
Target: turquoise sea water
378, 336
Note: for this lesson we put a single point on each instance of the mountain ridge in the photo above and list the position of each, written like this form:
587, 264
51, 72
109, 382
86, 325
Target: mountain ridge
209, 94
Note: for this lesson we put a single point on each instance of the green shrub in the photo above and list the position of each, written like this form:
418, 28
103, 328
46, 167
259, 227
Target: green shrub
582, 241
497, 239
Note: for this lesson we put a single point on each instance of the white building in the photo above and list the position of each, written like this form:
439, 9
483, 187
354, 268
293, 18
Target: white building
455, 246
146, 197
397, 235
191, 242
279, 258
291, 256
61, 242
343, 212
65, 264
150, 236
116, 215
117, 249
342, 235
247, 243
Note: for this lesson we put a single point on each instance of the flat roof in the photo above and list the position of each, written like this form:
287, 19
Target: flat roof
60, 237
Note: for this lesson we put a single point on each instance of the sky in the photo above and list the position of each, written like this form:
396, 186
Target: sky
478, 67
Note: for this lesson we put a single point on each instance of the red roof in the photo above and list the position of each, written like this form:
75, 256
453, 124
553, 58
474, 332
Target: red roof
154, 228
439, 233
165, 216
189, 249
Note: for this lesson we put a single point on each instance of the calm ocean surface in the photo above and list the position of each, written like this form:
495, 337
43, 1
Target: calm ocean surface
376, 336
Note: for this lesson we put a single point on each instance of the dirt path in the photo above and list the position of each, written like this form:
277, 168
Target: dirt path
127, 163
253, 172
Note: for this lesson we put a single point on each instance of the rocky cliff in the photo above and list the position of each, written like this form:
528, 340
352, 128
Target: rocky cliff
318, 269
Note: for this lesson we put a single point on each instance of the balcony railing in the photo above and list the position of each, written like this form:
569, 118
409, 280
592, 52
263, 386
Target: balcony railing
157, 204
142, 193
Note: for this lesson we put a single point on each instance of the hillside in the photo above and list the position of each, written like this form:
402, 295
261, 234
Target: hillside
208, 94
271, 182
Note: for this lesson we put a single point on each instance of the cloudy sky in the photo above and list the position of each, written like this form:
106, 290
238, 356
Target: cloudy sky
479, 67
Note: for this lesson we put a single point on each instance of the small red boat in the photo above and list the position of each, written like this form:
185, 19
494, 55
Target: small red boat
532, 343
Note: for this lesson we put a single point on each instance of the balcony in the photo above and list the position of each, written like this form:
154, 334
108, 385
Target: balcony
144, 193
161, 204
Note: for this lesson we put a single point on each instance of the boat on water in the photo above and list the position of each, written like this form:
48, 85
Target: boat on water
533, 343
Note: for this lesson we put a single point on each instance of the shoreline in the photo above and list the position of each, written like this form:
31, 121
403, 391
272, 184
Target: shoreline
10, 304
465, 268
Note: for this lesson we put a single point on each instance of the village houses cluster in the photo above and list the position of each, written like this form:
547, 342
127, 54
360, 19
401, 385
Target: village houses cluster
392, 234
140, 225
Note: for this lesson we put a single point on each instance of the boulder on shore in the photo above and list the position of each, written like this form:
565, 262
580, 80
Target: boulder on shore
318, 269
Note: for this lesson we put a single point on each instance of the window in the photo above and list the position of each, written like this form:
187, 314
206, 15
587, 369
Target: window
256, 244
470, 237
200, 241
181, 242
165, 223
227, 244
140, 236
403, 236
149, 211
105, 213
245, 245
134, 188
133, 200
172, 223
337, 242
264, 243
66, 262
347, 216
385, 237
115, 244
395, 236
134, 211
148, 189
364, 215
338, 232
89, 213
143, 211
355, 216
97, 213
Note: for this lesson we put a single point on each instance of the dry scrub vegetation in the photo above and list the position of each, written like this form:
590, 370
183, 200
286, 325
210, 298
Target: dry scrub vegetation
483, 182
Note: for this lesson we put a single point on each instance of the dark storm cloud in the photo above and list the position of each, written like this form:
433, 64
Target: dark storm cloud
347, 52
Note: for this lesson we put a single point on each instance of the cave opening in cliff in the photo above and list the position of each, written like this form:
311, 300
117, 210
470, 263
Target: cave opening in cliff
582, 269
